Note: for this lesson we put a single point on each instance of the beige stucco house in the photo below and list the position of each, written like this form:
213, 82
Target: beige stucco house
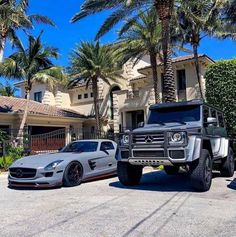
122, 105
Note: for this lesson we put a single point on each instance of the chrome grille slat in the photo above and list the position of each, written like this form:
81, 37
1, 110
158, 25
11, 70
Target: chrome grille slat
157, 138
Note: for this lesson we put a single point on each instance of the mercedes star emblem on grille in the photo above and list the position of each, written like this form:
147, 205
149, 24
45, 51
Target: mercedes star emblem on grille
19, 173
148, 139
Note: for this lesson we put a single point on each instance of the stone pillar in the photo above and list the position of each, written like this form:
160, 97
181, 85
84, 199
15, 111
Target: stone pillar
116, 113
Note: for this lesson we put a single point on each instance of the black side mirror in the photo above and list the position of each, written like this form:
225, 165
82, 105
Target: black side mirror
105, 151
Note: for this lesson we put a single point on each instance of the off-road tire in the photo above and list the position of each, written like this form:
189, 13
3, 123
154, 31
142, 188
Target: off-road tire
201, 172
228, 164
73, 169
171, 170
129, 175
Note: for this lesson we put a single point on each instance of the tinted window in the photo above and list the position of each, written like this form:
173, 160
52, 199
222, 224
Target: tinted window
213, 113
107, 146
81, 147
177, 114
181, 79
221, 120
206, 114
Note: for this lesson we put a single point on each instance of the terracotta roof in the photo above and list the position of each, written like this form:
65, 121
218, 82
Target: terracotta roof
180, 59
17, 105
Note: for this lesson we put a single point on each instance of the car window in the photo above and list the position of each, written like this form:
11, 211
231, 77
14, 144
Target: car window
179, 114
221, 119
81, 146
206, 114
213, 113
107, 146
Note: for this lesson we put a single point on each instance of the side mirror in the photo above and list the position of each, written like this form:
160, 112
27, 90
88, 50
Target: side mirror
211, 121
60, 149
105, 151
141, 124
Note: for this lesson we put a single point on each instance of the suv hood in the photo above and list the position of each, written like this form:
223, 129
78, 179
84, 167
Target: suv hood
166, 127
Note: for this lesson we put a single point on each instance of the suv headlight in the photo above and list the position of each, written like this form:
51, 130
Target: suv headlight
53, 165
177, 138
125, 139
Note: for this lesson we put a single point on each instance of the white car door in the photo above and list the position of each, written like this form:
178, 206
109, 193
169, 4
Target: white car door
108, 150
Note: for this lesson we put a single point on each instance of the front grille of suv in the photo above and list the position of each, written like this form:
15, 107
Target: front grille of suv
22, 173
157, 138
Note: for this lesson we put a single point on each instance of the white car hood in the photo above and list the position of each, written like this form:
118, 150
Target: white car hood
38, 161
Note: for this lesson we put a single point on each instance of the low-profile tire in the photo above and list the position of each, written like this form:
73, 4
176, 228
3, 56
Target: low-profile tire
201, 172
228, 164
171, 170
73, 174
129, 175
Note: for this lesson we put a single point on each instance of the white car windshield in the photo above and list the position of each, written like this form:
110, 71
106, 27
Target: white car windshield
81, 146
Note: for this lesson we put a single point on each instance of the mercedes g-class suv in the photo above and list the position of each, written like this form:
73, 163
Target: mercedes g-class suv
189, 134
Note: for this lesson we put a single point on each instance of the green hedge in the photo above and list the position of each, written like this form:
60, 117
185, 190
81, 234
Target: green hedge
221, 90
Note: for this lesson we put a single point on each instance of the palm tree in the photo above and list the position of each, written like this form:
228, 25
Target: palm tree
92, 62
32, 65
7, 90
231, 11
142, 36
124, 8
13, 16
199, 19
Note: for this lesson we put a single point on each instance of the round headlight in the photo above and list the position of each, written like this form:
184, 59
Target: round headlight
177, 137
126, 139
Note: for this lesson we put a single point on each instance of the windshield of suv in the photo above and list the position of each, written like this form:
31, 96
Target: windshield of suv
83, 146
175, 115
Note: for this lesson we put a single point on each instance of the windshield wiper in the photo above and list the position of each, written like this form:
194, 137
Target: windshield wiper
176, 121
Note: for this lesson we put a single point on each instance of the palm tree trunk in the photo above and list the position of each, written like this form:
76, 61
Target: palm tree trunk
23, 121
197, 67
164, 9
153, 60
96, 105
2, 47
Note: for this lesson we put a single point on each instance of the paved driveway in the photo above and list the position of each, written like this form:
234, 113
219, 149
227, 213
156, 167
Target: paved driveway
161, 206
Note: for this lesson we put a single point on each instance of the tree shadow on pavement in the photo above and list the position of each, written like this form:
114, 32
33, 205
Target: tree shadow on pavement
160, 181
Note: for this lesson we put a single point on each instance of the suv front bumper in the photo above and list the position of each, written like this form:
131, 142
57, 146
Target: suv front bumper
167, 155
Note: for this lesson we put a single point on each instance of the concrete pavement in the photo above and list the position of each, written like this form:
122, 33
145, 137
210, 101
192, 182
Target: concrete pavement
160, 206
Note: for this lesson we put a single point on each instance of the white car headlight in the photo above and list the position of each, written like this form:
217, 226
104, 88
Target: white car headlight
177, 138
53, 165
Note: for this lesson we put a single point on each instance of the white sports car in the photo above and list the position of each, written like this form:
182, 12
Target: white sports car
79, 161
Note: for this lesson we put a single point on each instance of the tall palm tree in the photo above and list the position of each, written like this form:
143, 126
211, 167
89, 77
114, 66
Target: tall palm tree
13, 16
199, 19
124, 8
32, 65
7, 90
142, 36
92, 62
231, 11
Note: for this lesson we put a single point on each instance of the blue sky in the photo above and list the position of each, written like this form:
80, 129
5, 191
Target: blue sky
66, 35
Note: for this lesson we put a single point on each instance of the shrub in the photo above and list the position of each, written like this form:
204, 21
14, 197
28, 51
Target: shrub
15, 152
5, 162
221, 90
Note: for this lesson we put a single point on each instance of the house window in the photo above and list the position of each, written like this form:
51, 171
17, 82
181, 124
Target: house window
38, 96
181, 84
79, 97
86, 96
91, 94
